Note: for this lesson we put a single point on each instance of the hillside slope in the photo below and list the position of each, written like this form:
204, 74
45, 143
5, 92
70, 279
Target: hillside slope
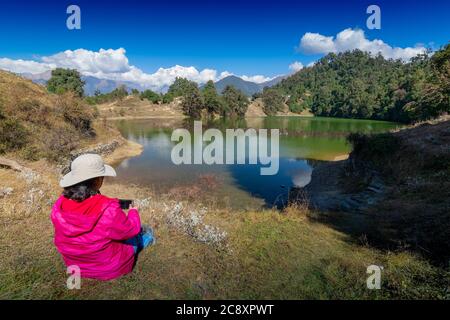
396, 185
35, 124
132, 107
355, 84
92, 84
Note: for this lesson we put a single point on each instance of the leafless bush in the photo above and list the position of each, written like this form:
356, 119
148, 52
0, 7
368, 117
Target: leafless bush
191, 223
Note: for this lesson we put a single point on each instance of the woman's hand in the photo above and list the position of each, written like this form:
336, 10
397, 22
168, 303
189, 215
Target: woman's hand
134, 205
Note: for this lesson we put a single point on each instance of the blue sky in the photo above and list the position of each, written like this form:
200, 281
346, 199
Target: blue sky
240, 37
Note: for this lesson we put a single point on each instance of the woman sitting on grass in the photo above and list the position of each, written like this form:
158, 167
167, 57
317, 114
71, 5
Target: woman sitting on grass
91, 230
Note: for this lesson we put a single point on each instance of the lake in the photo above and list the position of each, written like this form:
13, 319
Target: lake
303, 142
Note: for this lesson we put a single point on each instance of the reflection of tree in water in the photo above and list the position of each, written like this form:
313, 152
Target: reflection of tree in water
324, 139
220, 123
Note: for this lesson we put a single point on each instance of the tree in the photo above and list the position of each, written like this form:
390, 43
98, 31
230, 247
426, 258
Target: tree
192, 104
440, 64
119, 93
235, 102
64, 80
300, 100
273, 101
151, 96
211, 99
167, 98
179, 87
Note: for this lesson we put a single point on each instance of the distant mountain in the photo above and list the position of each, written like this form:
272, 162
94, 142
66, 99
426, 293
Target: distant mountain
247, 87
91, 83
272, 82
105, 86
40, 78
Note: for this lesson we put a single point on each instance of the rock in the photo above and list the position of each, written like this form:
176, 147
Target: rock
6, 192
103, 149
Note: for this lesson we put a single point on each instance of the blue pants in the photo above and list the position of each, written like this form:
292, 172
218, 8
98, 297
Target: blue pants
144, 239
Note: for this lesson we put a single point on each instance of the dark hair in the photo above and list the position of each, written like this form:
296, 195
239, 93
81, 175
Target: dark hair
81, 191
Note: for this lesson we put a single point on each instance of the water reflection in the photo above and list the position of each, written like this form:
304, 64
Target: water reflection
301, 140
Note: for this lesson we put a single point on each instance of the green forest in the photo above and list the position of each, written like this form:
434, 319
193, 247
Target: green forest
357, 85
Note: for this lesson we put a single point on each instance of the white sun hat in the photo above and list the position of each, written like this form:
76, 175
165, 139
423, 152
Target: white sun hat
85, 167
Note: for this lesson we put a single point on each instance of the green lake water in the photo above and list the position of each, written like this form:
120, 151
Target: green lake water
303, 143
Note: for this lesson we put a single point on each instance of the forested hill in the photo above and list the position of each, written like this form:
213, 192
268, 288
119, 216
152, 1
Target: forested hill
357, 85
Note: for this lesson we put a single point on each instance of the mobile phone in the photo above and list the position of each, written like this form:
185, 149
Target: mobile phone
125, 204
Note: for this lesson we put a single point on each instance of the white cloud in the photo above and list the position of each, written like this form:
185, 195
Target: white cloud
224, 74
114, 65
24, 66
90, 62
351, 39
313, 43
256, 79
296, 66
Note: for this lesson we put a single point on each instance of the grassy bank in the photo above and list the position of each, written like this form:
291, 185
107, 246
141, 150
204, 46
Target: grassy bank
265, 254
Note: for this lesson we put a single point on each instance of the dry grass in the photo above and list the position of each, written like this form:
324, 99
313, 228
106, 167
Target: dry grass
134, 108
266, 254
50, 125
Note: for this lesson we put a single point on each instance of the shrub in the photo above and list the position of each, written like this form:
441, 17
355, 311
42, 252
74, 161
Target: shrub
31, 152
60, 142
78, 114
13, 135
2, 116
151, 96
33, 111
167, 98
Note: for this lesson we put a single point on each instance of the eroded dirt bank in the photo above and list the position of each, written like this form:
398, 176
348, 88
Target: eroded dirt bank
399, 182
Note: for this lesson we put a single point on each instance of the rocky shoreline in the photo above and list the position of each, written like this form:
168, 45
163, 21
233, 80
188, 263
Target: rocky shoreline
113, 152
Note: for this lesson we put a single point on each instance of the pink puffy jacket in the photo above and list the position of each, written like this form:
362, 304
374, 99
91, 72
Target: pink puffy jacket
90, 234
